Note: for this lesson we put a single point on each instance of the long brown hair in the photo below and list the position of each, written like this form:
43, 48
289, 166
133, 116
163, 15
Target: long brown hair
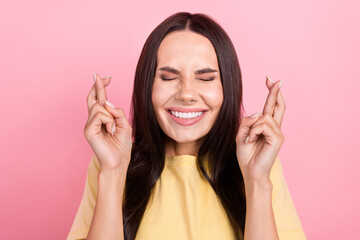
218, 148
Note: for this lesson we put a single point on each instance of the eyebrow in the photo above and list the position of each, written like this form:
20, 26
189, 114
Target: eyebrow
175, 71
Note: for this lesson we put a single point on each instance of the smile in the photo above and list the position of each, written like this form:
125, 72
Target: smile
186, 117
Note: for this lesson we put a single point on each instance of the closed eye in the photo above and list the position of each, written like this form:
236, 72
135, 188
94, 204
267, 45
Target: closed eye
210, 79
169, 79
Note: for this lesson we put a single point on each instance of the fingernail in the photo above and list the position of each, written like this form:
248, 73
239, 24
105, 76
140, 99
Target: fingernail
113, 129
255, 115
247, 139
269, 79
280, 83
110, 104
94, 77
108, 77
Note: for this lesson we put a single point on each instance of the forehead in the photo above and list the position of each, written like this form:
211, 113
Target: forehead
186, 49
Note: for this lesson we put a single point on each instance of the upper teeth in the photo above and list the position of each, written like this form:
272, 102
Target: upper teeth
186, 115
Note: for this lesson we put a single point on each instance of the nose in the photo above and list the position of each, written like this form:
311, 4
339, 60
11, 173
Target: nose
187, 92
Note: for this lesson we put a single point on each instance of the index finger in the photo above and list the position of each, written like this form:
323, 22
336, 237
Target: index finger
271, 99
100, 90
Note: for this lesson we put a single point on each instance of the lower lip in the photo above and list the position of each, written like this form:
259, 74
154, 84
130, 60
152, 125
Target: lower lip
186, 121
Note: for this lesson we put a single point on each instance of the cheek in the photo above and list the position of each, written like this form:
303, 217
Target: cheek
214, 97
160, 95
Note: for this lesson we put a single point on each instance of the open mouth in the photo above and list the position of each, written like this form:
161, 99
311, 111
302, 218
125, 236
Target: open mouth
186, 115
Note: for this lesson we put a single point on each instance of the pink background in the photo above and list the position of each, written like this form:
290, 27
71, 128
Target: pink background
50, 50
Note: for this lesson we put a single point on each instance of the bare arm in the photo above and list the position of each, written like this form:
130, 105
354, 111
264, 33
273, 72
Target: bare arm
107, 222
110, 136
260, 222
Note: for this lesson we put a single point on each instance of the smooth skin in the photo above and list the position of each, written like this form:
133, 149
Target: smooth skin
113, 151
186, 52
256, 157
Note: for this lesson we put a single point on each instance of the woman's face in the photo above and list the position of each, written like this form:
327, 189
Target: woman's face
186, 106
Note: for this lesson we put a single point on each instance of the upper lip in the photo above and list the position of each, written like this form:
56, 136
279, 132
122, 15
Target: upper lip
186, 110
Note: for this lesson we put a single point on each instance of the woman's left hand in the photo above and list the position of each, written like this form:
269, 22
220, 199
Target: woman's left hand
257, 155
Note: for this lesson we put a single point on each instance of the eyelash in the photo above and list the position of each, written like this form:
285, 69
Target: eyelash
169, 79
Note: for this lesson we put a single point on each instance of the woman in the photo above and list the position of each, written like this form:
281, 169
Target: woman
186, 116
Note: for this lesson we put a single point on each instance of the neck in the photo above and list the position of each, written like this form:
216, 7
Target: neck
173, 148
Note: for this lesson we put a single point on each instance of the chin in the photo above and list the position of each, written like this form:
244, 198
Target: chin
184, 138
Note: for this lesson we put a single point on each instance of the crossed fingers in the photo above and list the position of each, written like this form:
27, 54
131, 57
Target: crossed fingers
275, 104
97, 93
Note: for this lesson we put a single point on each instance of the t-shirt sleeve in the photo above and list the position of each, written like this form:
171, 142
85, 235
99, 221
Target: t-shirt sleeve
82, 221
287, 221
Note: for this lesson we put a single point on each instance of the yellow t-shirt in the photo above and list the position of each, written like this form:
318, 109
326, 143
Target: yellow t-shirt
184, 206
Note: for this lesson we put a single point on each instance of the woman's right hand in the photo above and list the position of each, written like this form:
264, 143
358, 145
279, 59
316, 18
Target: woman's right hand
112, 150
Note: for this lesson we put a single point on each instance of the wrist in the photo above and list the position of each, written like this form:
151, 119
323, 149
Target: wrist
114, 169
253, 187
112, 176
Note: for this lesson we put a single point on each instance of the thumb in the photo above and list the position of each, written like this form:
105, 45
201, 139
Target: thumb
246, 123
